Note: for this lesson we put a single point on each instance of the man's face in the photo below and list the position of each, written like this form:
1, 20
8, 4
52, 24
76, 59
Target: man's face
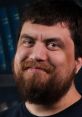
44, 64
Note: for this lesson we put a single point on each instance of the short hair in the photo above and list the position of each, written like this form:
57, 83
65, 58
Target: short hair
50, 12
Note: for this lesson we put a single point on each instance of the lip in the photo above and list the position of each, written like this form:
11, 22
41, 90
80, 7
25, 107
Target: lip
35, 69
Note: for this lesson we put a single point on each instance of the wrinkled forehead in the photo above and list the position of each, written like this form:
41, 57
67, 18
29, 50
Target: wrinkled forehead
45, 31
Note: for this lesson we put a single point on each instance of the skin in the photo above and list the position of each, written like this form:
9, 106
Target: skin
59, 52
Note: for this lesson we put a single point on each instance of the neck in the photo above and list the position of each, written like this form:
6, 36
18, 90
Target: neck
40, 110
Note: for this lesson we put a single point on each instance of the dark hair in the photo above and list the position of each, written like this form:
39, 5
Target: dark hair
50, 12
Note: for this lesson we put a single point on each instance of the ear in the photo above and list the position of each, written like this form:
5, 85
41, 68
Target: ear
78, 64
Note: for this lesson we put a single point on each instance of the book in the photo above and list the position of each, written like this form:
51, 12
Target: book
7, 37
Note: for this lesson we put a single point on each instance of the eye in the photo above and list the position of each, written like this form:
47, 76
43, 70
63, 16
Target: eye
28, 42
52, 45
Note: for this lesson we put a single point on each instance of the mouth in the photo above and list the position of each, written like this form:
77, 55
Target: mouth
35, 69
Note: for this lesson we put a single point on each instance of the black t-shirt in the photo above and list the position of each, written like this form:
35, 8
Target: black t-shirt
20, 110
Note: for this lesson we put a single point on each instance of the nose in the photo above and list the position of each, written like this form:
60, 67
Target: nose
39, 52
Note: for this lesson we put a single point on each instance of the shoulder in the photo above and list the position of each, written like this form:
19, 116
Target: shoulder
12, 112
75, 110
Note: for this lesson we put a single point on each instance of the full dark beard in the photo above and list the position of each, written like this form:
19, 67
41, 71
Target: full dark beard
44, 89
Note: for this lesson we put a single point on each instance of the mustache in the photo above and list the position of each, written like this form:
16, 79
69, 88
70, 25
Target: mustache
26, 64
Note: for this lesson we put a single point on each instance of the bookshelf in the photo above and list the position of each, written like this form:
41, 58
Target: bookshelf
9, 21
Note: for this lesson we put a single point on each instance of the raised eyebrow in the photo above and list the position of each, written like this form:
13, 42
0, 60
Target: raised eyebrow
26, 36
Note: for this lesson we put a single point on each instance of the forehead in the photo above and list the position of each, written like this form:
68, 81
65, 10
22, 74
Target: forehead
59, 30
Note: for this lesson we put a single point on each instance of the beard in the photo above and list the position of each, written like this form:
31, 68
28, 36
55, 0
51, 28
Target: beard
44, 87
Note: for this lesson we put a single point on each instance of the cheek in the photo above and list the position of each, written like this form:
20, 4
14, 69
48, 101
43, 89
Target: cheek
62, 61
20, 55
63, 66
57, 58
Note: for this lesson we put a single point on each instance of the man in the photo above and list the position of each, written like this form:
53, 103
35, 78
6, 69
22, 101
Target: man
47, 59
